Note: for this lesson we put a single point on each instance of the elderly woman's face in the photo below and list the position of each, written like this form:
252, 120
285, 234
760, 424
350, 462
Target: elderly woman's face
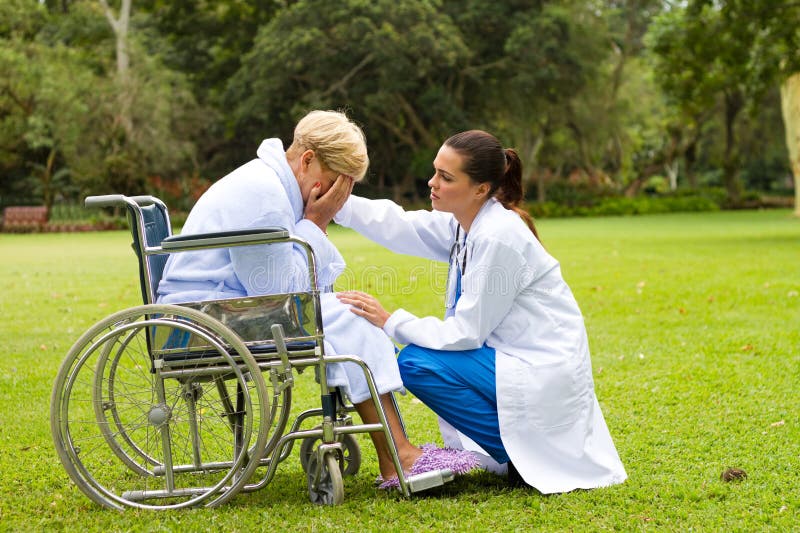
313, 171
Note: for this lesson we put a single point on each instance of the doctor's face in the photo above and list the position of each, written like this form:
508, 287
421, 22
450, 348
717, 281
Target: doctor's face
452, 190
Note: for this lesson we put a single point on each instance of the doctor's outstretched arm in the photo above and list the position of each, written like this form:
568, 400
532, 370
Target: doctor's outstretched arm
427, 234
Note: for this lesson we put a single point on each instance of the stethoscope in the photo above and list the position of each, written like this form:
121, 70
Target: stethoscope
458, 260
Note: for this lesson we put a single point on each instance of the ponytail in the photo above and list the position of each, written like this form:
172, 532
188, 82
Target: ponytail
510, 192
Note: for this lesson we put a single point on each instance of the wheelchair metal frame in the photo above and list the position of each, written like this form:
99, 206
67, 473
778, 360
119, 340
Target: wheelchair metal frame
218, 356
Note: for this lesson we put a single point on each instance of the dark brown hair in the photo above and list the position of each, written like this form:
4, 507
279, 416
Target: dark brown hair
486, 161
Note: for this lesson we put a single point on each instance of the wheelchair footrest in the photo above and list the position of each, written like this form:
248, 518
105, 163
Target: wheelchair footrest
429, 480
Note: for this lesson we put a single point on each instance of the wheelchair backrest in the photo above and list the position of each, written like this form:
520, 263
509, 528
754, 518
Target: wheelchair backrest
250, 317
149, 225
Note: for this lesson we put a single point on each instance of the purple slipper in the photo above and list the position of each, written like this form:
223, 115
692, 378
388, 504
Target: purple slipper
434, 458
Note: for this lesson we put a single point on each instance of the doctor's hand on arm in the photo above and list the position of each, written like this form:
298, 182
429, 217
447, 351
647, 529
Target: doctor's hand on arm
365, 305
321, 209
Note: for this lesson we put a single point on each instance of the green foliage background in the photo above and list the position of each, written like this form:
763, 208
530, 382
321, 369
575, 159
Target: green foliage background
619, 97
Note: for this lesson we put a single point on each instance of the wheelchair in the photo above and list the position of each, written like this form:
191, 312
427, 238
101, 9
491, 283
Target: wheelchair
170, 406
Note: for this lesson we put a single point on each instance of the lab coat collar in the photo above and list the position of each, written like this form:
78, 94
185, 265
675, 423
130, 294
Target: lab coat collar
271, 152
482, 214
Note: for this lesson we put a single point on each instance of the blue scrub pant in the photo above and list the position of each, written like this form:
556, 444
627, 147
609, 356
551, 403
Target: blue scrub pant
459, 387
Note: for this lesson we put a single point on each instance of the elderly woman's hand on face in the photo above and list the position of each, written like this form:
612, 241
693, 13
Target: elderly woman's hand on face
321, 209
365, 305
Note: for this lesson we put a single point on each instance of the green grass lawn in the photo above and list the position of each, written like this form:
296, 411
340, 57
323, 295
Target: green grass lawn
694, 325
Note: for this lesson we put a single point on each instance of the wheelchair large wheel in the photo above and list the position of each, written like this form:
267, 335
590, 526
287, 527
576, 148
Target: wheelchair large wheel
128, 450
159, 407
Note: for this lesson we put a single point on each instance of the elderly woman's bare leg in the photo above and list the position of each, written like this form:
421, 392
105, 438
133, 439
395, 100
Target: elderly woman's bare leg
407, 452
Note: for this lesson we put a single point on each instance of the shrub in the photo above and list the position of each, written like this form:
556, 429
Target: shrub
72, 217
621, 205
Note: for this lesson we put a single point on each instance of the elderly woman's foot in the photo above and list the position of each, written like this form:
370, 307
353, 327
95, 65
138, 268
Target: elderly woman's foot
432, 458
408, 456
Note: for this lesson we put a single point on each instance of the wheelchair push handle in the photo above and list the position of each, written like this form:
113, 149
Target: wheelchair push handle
106, 200
117, 200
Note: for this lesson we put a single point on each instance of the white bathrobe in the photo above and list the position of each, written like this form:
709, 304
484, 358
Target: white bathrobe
514, 300
261, 193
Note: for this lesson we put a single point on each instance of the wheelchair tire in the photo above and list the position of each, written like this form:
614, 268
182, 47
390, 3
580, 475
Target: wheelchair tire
328, 488
351, 453
134, 428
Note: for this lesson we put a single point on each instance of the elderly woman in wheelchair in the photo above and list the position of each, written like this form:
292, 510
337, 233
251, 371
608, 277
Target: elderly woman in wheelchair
243, 297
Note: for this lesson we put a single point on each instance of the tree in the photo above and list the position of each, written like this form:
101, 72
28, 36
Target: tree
734, 50
790, 105
550, 63
149, 118
119, 24
639, 138
76, 119
774, 58
206, 41
698, 63
393, 63
45, 107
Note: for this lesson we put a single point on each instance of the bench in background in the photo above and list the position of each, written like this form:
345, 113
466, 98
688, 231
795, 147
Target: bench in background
27, 218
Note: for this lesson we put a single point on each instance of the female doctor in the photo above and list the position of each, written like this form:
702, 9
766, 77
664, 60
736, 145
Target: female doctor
508, 369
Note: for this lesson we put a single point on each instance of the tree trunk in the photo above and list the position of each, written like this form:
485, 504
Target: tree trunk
790, 106
690, 157
125, 96
541, 190
671, 169
530, 158
583, 146
730, 164
47, 180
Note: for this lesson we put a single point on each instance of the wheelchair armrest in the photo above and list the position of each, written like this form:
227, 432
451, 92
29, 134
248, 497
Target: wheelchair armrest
224, 238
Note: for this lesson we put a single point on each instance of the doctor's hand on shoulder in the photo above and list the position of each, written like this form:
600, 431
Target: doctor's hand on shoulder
365, 305
321, 208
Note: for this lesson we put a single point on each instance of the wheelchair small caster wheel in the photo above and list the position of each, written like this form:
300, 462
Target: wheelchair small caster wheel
351, 453
325, 484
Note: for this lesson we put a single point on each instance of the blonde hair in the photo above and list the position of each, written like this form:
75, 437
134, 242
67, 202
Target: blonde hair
335, 139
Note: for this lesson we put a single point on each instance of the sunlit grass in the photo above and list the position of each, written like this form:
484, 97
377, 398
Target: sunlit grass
693, 323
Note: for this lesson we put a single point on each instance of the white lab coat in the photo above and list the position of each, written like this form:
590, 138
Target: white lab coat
264, 192
514, 300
